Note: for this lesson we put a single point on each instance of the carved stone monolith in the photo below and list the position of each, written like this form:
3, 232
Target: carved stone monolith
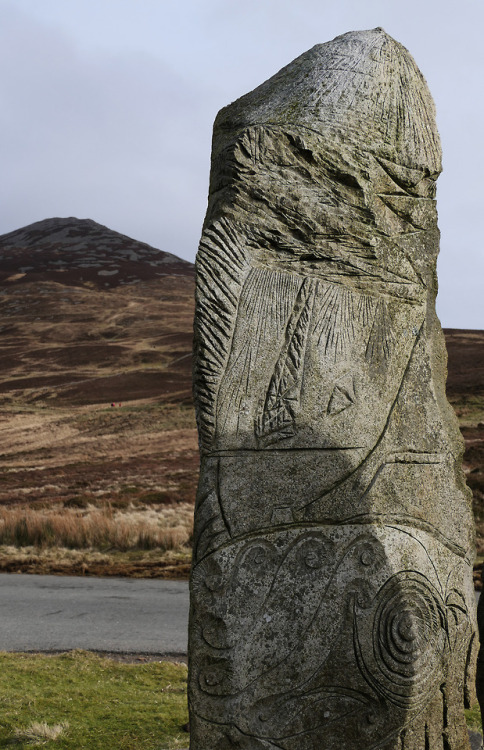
331, 592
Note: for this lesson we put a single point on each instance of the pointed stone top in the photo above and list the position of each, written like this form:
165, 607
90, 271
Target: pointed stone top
363, 88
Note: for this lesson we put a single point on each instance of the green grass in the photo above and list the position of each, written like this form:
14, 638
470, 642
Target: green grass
101, 703
473, 719
469, 409
80, 701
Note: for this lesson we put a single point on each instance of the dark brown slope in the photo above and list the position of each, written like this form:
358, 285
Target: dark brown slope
465, 348
88, 315
78, 251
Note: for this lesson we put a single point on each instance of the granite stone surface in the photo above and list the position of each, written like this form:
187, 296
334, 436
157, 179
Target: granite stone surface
332, 603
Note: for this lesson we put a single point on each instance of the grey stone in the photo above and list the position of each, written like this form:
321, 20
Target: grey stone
475, 739
331, 593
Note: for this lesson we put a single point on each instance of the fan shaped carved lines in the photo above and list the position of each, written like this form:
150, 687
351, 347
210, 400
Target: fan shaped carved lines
245, 348
221, 268
342, 313
381, 339
264, 308
365, 307
335, 326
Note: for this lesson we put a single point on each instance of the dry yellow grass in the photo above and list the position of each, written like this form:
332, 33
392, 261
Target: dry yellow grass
103, 529
39, 732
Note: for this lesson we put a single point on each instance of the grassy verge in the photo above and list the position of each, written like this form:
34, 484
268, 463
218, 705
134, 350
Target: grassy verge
60, 561
473, 719
163, 528
80, 701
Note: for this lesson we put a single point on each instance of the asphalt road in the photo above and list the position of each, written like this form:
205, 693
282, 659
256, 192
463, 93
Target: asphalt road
56, 613
124, 615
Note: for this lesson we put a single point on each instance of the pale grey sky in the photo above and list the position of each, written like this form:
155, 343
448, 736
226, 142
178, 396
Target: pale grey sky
107, 109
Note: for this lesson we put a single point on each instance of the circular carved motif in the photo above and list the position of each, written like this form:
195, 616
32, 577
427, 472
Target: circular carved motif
215, 679
404, 653
313, 553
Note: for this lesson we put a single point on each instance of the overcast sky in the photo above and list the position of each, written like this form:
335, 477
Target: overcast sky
107, 108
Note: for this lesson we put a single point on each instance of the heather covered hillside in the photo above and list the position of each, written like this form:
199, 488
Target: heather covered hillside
91, 318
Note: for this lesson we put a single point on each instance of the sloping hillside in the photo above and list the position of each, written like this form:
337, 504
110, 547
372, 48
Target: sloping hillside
90, 318
465, 390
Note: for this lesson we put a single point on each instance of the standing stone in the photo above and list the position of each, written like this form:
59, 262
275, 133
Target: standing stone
331, 593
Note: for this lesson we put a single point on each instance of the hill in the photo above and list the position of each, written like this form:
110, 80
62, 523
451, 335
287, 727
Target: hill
90, 318
89, 315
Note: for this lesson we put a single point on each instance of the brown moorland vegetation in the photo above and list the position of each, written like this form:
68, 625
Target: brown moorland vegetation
91, 318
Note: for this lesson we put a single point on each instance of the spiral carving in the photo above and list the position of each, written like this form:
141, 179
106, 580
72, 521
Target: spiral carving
403, 657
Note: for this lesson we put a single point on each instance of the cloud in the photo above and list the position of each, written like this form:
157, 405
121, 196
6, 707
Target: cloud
98, 135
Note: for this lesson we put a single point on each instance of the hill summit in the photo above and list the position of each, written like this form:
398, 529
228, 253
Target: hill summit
89, 315
78, 251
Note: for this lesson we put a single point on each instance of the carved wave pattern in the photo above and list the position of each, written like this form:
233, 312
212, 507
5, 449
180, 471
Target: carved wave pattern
365, 651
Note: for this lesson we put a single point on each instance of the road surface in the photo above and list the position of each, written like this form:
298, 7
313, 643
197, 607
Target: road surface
51, 613
125, 615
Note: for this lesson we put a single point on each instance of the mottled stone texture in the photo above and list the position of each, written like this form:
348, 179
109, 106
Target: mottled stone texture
331, 594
